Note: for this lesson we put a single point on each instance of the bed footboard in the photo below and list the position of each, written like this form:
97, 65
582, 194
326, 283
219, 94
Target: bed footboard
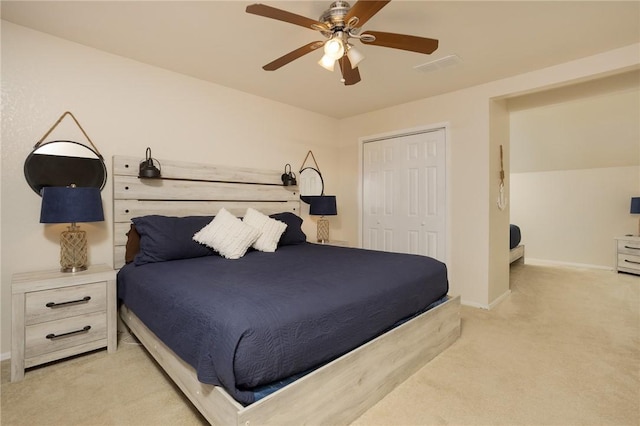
338, 392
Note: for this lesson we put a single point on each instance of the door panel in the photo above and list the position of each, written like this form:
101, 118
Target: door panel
404, 194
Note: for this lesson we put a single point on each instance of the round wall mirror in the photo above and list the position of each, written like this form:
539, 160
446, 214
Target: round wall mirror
61, 163
310, 182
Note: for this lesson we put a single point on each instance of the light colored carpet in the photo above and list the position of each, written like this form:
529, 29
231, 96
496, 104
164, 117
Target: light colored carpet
562, 349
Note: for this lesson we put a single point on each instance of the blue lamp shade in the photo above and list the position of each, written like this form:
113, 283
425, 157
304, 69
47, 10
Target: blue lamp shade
61, 204
323, 205
635, 205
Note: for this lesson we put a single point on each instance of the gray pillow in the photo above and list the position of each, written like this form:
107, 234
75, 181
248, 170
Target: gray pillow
165, 238
293, 234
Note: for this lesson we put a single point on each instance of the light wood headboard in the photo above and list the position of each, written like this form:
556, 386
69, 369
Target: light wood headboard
192, 189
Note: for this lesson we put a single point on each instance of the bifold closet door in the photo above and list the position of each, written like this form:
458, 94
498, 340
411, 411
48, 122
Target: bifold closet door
404, 194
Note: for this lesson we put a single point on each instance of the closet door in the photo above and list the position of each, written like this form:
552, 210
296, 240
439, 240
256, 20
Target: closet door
404, 194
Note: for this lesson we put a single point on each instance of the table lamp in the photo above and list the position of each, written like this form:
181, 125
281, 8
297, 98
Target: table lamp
71, 204
635, 209
323, 205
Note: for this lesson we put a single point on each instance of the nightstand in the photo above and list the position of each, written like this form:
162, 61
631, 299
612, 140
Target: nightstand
59, 314
334, 243
628, 255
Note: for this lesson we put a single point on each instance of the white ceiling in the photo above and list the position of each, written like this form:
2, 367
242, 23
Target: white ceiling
217, 41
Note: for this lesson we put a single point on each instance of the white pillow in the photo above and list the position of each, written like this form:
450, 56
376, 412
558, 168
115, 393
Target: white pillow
270, 229
227, 235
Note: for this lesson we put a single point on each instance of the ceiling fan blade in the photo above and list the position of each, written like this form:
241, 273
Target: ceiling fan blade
291, 56
351, 75
283, 15
364, 10
402, 41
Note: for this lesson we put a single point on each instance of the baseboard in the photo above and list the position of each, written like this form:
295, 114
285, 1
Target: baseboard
499, 299
5, 356
473, 304
546, 262
488, 307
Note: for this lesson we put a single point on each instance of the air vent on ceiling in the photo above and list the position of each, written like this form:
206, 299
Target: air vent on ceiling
444, 62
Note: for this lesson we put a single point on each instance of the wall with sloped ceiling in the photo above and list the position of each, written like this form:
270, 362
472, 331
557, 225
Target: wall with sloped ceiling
575, 164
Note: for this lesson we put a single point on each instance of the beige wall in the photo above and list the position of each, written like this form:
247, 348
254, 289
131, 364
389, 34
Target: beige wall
498, 253
575, 165
572, 216
477, 266
468, 215
126, 106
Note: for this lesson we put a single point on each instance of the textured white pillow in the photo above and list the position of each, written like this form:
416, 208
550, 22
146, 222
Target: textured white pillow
270, 229
227, 235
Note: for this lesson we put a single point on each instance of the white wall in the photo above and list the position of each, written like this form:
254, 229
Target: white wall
498, 285
475, 224
575, 165
125, 106
572, 216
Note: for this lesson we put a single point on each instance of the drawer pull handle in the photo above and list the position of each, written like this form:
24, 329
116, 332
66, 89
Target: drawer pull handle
633, 248
631, 261
54, 305
53, 336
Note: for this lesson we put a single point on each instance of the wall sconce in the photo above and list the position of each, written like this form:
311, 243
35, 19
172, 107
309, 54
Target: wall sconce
323, 205
71, 204
147, 169
288, 178
635, 209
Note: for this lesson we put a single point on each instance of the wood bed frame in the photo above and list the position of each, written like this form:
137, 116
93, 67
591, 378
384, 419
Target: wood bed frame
516, 253
337, 393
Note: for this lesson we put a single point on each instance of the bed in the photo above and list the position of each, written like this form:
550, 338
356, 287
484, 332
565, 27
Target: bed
324, 383
516, 250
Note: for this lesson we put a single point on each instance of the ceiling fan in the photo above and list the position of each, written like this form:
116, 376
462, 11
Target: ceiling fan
339, 24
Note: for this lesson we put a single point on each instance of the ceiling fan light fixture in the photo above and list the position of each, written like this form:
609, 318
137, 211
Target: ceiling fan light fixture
354, 55
339, 24
327, 63
334, 47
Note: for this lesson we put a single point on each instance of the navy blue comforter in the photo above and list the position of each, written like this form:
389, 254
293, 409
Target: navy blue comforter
248, 322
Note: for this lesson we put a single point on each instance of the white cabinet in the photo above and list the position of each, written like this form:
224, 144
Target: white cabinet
628, 254
57, 314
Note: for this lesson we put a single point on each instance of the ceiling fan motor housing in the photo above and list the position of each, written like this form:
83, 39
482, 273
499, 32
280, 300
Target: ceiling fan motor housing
334, 16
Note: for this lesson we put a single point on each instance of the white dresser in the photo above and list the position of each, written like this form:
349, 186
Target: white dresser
57, 314
628, 254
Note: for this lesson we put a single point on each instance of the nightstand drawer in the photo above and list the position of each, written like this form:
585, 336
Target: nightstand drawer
54, 304
629, 247
629, 261
65, 333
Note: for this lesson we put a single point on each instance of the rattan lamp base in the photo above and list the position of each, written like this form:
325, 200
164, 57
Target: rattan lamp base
73, 250
323, 230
